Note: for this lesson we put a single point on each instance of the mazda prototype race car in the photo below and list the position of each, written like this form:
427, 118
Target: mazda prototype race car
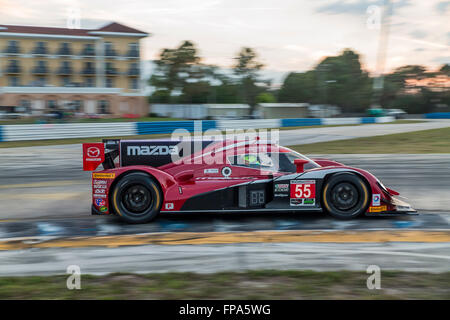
140, 179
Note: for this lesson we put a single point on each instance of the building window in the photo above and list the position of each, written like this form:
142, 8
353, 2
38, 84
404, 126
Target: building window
66, 68
109, 49
133, 50
25, 106
13, 47
41, 82
51, 104
89, 68
78, 106
103, 107
133, 69
109, 82
65, 81
134, 83
13, 67
65, 49
88, 50
110, 69
89, 82
14, 81
41, 48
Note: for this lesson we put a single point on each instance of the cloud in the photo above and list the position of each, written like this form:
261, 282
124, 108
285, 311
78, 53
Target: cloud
357, 7
418, 34
442, 6
442, 60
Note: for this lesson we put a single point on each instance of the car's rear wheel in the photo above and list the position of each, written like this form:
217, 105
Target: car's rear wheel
137, 198
345, 196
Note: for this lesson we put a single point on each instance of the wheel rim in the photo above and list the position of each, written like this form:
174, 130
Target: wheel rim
137, 198
344, 196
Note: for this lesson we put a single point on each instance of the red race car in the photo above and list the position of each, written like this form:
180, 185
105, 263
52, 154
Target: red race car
142, 178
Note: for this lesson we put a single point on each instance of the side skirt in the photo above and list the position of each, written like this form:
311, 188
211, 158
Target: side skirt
245, 210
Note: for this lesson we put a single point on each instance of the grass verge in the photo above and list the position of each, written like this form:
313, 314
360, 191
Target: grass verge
425, 141
232, 285
351, 125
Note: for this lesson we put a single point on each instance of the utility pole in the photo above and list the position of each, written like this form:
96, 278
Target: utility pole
378, 83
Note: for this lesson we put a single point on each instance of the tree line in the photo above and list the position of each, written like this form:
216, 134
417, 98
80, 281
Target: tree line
180, 76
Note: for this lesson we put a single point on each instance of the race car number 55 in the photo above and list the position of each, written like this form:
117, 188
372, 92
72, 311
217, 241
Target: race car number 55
303, 189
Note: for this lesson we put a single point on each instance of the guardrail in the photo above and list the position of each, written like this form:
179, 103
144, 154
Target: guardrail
438, 115
66, 131
89, 130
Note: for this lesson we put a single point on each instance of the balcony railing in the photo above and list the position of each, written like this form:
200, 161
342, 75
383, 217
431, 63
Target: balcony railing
133, 53
133, 72
39, 51
40, 70
65, 71
88, 71
64, 52
88, 52
110, 53
12, 50
111, 71
13, 70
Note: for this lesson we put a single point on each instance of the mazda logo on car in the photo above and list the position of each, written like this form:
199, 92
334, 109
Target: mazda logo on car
151, 150
93, 152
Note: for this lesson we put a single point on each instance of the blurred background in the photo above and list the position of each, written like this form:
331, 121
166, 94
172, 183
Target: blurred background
335, 58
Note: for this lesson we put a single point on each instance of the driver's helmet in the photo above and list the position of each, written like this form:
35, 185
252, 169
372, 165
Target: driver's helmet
251, 159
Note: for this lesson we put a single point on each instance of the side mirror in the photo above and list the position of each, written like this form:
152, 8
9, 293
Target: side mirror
300, 163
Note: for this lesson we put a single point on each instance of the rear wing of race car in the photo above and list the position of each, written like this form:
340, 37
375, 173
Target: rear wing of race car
104, 153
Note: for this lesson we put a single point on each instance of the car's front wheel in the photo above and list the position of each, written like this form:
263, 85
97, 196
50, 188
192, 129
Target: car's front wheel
345, 196
137, 198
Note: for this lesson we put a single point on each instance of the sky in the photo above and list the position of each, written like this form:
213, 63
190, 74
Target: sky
288, 35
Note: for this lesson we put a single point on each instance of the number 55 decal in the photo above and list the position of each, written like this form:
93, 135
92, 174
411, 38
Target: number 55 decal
303, 189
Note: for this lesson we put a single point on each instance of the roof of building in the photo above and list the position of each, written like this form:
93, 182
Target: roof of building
112, 27
117, 27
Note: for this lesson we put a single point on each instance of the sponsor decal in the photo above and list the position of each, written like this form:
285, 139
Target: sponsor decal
100, 182
378, 209
100, 202
152, 150
103, 209
212, 170
296, 202
303, 189
99, 186
376, 199
309, 202
104, 175
100, 191
169, 206
226, 172
302, 202
280, 195
93, 154
281, 187
100, 195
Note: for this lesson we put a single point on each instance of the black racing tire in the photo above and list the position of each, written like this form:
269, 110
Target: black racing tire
345, 196
137, 198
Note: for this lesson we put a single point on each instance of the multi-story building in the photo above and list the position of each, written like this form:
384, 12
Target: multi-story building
88, 71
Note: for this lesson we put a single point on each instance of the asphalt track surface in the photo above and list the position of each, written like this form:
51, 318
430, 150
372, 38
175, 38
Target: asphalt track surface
45, 195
